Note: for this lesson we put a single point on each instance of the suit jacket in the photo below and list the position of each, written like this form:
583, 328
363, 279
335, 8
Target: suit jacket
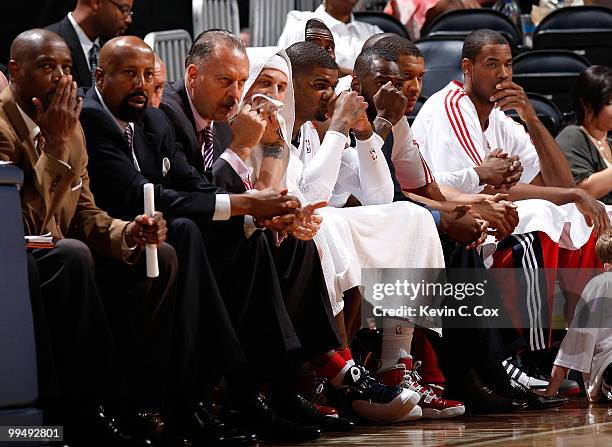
179, 189
175, 105
55, 197
80, 66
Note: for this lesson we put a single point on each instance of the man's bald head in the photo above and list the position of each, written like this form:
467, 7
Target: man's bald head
29, 44
125, 46
125, 76
39, 59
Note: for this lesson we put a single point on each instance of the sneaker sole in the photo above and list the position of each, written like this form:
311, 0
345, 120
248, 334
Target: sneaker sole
451, 412
390, 412
414, 414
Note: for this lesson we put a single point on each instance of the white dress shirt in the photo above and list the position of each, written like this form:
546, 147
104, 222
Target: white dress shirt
85, 42
348, 37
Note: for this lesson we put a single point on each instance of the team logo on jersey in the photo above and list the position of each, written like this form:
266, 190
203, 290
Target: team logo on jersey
307, 146
373, 154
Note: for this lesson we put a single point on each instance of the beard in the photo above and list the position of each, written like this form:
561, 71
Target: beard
128, 113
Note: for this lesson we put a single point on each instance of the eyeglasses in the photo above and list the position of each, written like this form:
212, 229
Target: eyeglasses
125, 10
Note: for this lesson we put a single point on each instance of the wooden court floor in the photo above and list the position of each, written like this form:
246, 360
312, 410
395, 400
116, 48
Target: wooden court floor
577, 424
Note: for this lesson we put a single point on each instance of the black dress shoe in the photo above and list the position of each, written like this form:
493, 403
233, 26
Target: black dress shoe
203, 428
256, 415
97, 428
298, 409
534, 400
480, 399
147, 423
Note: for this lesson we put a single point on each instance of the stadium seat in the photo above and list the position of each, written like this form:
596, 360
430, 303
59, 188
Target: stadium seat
307, 5
172, 47
18, 377
209, 14
442, 62
547, 111
385, 22
586, 30
267, 20
550, 73
459, 23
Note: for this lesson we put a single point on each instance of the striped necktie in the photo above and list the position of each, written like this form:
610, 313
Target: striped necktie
128, 133
93, 61
206, 144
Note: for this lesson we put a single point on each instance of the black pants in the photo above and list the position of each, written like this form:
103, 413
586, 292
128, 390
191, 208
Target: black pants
205, 342
276, 296
91, 367
463, 349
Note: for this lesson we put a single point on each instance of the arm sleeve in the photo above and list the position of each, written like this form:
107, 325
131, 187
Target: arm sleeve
411, 170
375, 183
518, 142
321, 173
450, 141
576, 148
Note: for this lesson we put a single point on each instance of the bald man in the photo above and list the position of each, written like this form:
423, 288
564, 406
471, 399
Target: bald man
87, 28
40, 133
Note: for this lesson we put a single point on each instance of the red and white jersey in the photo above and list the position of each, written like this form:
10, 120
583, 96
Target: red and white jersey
411, 170
451, 140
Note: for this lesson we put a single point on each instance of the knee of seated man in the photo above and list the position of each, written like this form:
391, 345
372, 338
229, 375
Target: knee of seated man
75, 254
183, 228
167, 261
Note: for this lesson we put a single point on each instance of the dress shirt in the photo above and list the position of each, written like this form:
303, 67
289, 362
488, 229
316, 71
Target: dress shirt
85, 42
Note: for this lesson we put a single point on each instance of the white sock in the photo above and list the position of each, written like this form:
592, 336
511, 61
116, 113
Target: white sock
396, 341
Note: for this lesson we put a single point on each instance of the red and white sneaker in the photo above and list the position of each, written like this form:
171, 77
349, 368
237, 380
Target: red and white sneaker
433, 407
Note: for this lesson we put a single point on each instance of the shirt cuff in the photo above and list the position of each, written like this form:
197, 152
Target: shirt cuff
337, 138
223, 207
474, 180
375, 140
236, 163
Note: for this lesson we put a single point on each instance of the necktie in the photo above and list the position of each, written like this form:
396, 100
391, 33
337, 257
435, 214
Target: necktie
206, 143
94, 51
128, 133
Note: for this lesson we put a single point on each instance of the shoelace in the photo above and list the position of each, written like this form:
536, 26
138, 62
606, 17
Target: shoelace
412, 381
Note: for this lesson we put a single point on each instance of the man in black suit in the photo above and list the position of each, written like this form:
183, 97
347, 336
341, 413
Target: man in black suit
85, 29
200, 227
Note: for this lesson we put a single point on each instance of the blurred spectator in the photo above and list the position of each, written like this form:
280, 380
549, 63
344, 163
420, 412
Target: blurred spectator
349, 34
586, 144
245, 36
159, 81
448, 5
411, 13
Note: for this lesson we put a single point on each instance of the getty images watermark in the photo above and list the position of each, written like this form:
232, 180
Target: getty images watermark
416, 292
475, 298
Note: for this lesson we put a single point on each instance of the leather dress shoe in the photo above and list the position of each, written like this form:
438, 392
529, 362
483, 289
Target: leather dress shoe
480, 399
534, 400
203, 428
298, 409
256, 415
97, 428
